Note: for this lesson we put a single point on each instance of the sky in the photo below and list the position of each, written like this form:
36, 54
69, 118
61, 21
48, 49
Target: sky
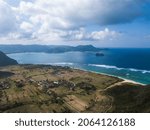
103, 23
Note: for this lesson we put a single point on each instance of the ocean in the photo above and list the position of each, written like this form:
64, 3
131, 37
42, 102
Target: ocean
132, 64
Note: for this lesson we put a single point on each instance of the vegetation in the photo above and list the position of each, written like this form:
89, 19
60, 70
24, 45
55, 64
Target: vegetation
44, 88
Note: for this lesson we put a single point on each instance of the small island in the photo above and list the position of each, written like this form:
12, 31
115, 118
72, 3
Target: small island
99, 54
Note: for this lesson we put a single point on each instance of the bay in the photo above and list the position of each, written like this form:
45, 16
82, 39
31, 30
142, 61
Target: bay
129, 63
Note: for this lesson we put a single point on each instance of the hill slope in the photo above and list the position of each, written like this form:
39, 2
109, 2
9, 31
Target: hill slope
5, 60
39, 88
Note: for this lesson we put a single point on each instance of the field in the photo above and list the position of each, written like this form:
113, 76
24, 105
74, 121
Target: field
41, 88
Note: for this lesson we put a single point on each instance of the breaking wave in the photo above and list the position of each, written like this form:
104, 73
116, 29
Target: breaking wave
61, 63
117, 68
106, 66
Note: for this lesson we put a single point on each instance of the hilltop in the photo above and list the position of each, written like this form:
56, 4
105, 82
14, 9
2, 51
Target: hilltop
45, 88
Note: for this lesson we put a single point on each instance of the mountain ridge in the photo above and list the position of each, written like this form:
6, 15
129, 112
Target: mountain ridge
47, 48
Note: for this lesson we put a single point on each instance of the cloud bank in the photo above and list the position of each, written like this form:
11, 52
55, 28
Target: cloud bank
61, 20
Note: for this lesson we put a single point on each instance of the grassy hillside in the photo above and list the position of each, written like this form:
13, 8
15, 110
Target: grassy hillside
38, 88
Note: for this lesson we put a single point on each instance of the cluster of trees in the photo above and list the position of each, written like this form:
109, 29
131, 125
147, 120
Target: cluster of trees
20, 84
86, 86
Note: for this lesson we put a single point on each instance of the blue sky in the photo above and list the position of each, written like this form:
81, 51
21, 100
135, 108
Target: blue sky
103, 23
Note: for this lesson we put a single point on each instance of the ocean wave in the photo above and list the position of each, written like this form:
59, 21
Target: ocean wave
61, 63
138, 70
106, 66
117, 68
145, 71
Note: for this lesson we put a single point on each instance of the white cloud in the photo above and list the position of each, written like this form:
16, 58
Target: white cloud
75, 13
50, 36
61, 20
105, 34
7, 19
82, 34
50, 20
27, 27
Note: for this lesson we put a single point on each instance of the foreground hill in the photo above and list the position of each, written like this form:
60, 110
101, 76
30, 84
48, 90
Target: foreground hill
5, 60
38, 88
46, 48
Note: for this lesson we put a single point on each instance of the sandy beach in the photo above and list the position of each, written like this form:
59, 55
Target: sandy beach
131, 81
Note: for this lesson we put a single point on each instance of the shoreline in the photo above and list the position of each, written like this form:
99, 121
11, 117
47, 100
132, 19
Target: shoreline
124, 79
131, 81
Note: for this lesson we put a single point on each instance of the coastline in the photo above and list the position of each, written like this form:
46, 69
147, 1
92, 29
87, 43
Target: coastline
124, 79
64, 89
131, 81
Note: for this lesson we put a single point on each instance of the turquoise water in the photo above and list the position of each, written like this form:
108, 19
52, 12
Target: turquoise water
133, 64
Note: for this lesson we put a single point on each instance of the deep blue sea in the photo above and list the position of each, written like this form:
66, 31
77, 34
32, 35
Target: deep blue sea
133, 64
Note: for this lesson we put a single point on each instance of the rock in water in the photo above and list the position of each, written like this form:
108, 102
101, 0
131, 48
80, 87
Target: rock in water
99, 54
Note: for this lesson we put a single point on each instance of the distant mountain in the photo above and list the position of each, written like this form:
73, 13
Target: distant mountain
46, 48
5, 60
